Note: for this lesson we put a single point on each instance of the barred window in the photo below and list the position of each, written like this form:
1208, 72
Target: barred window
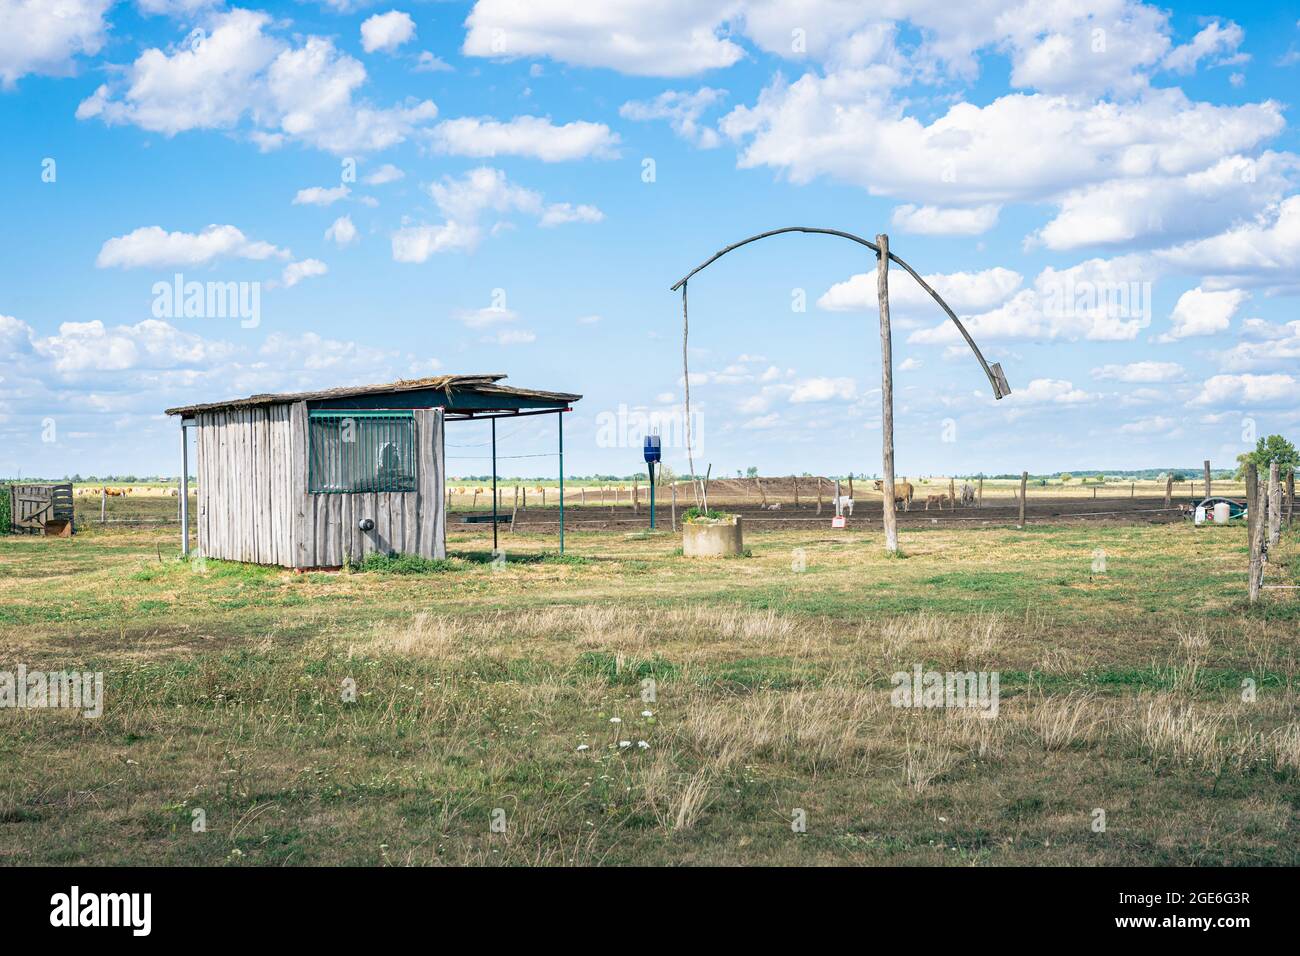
358, 451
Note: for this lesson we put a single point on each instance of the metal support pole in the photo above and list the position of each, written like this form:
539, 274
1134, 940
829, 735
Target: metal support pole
561, 420
651, 467
184, 491
494, 487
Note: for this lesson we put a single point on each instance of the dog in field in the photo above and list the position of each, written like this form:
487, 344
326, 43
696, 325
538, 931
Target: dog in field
903, 491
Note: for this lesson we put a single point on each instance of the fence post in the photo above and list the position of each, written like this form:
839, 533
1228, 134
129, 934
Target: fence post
674, 507
1274, 504
819, 494
1024, 482
636, 496
1207, 477
1169, 492
980, 500
952, 492
796, 490
103, 504
1290, 497
1256, 526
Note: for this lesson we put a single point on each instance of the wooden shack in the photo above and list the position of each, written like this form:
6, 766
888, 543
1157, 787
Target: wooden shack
321, 479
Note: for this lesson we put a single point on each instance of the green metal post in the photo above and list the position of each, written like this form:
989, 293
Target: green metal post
561, 418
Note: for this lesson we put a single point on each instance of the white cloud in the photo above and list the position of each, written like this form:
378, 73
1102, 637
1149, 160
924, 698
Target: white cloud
588, 319
386, 31
671, 37
240, 77
557, 214
823, 390
1248, 389
936, 221
682, 110
963, 291
44, 37
909, 364
81, 347
1216, 40
320, 195
342, 232
387, 173
153, 246
1262, 253
1264, 346
762, 422
295, 272
1203, 313
1149, 426
1041, 391
429, 62
533, 136
1144, 372
464, 202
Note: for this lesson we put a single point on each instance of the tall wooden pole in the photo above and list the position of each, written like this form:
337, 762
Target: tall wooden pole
1256, 528
1207, 477
1024, 482
1169, 492
886, 394
1252, 510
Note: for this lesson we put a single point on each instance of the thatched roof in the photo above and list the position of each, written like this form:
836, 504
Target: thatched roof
478, 384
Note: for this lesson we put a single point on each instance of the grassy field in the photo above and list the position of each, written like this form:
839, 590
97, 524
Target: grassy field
491, 702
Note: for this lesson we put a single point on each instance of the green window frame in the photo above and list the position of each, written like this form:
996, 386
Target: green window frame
354, 451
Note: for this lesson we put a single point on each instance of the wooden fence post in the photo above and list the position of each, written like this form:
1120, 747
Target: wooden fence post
1207, 477
1256, 527
1290, 497
1274, 504
952, 493
636, 496
674, 507
980, 493
796, 490
1024, 482
1169, 492
819, 494
103, 504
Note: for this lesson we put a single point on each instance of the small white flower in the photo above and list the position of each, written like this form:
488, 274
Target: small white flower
582, 747
625, 743
643, 745
647, 713
616, 720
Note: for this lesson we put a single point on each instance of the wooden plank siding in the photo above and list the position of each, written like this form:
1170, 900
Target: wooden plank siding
254, 506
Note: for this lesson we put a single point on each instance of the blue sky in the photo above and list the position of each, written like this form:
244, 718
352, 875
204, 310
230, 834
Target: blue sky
1107, 195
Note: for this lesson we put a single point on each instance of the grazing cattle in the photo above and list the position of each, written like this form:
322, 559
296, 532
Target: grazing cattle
939, 500
903, 491
775, 506
843, 505
967, 494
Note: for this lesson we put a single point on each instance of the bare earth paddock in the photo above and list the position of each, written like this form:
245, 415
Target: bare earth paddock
621, 705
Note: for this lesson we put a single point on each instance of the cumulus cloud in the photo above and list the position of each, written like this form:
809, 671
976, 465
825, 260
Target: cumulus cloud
1247, 389
387, 173
823, 390
1218, 41
465, 201
533, 136
1203, 313
295, 272
1265, 252
153, 246
682, 110
321, 195
1144, 372
386, 31
239, 76
964, 291
937, 221
342, 232
44, 37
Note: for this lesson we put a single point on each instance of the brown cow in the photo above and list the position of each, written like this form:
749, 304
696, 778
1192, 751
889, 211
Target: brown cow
939, 500
903, 492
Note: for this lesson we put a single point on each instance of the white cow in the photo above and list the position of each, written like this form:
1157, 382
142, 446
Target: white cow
843, 505
967, 494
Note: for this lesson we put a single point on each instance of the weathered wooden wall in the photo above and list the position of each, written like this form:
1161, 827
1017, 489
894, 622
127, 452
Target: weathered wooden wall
254, 504
244, 499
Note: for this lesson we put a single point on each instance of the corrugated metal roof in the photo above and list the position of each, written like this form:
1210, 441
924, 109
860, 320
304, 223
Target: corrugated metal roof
476, 384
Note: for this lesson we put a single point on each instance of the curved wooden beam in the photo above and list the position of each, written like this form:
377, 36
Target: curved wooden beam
994, 372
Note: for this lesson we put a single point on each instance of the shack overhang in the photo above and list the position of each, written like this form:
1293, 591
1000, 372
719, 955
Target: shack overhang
461, 396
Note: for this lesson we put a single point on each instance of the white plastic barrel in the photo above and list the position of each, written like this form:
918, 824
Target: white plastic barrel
1221, 511
1200, 514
